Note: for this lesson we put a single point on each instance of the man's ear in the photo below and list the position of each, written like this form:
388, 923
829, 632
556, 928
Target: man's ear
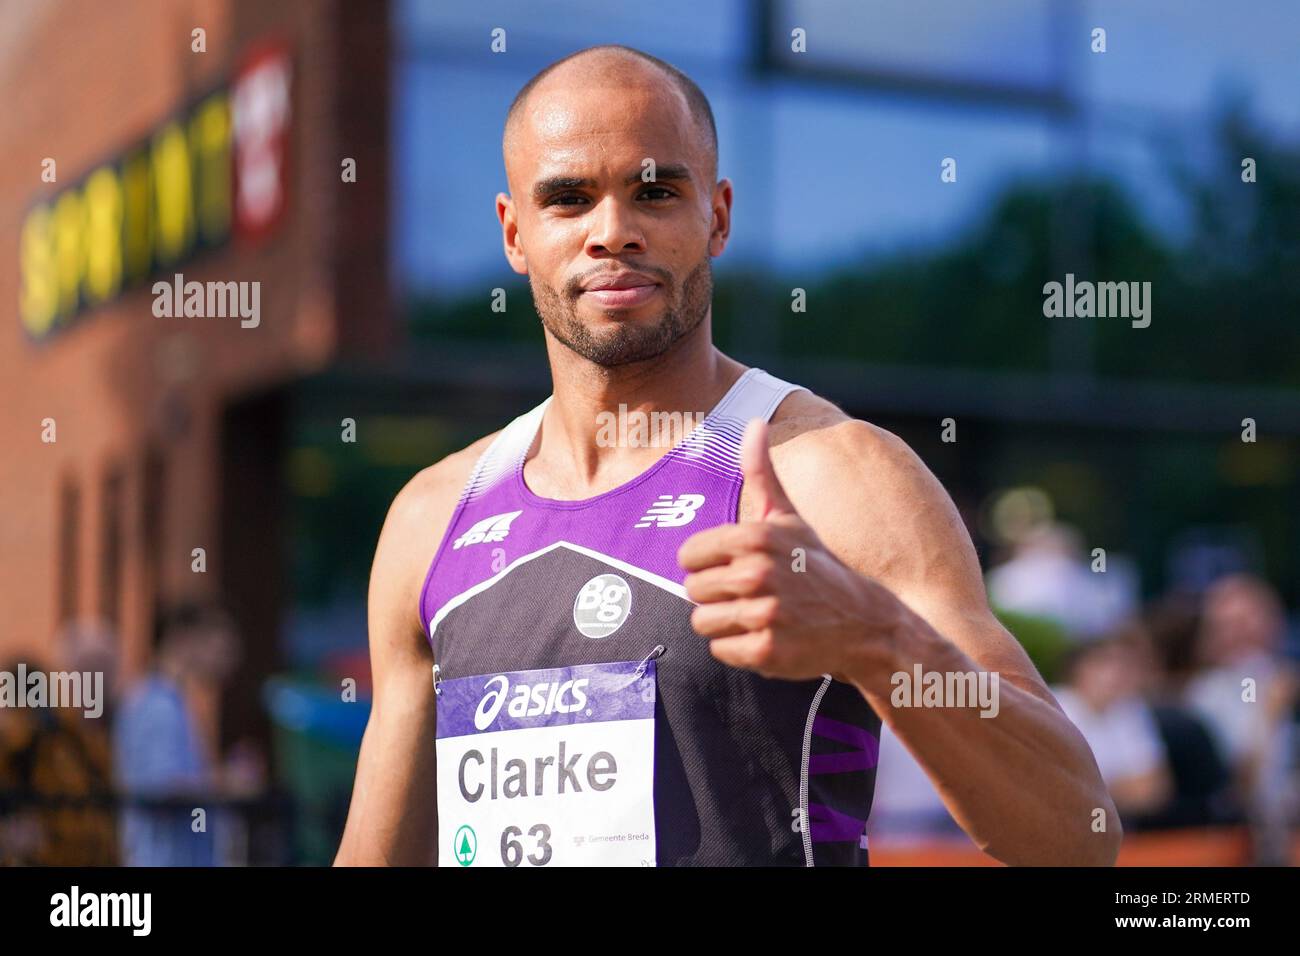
510, 234
721, 206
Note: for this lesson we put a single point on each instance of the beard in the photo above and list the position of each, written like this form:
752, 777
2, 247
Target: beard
628, 341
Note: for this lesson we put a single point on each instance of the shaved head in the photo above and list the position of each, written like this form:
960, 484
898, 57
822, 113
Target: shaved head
621, 65
615, 209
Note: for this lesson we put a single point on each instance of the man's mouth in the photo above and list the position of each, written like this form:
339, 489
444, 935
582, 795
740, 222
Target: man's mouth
621, 298
620, 290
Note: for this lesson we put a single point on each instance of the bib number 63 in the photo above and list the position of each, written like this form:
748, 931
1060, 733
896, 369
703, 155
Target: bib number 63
512, 850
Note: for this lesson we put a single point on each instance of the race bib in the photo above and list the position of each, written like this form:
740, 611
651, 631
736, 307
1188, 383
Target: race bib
549, 767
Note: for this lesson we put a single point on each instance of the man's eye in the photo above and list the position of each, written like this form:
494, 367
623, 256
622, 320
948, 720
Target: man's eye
659, 191
566, 199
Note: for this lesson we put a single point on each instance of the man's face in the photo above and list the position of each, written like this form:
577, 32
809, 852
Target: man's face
619, 266
212, 652
1241, 617
1109, 673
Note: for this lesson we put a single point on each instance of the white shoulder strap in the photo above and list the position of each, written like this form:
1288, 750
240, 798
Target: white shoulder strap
715, 445
501, 457
758, 396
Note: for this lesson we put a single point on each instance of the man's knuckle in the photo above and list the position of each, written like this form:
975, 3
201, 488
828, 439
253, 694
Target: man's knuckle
755, 578
763, 652
760, 537
767, 610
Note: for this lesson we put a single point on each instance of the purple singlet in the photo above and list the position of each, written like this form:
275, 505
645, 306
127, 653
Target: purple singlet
747, 770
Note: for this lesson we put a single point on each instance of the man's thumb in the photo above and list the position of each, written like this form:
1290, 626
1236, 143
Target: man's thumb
760, 477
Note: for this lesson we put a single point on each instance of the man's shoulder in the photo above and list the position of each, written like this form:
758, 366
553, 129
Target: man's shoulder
152, 691
420, 514
812, 440
435, 489
416, 522
150, 703
868, 495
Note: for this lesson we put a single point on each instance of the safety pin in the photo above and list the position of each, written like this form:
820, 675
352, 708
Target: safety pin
437, 681
659, 651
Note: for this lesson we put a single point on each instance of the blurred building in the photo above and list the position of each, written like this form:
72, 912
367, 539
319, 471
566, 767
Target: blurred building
138, 148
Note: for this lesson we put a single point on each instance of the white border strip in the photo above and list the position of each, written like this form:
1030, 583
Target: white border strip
803, 770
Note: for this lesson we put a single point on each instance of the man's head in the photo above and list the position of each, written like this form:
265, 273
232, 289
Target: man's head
1114, 667
1242, 616
197, 641
614, 208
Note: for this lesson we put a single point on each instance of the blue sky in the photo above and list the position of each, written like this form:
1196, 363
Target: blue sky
825, 176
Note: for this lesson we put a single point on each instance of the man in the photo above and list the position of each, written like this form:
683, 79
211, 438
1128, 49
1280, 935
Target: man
1106, 680
655, 657
1243, 628
164, 742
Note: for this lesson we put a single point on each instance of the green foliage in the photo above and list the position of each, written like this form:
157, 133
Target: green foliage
1043, 639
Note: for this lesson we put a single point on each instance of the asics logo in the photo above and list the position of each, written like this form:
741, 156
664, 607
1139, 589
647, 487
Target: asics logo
668, 512
536, 700
494, 528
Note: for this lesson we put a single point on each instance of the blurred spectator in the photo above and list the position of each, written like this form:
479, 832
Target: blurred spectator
164, 741
1049, 576
1103, 696
55, 786
1246, 692
1202, 792
91, 646
1174, 621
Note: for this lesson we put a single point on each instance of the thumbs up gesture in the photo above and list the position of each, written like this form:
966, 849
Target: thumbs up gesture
771, 597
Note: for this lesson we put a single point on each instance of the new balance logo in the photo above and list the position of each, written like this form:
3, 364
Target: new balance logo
668, 512
494, 528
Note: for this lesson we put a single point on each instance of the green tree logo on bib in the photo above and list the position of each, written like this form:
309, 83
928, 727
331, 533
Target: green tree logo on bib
466, 846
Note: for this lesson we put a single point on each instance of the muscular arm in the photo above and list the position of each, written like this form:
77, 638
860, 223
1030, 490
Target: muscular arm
392, 820
1023, 784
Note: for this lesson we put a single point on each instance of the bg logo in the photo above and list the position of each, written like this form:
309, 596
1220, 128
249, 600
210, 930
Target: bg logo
602, 605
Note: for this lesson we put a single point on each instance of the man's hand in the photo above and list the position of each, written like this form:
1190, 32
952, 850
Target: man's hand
772, 598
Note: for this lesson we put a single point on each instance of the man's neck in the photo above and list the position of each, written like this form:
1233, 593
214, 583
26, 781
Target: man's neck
574, 457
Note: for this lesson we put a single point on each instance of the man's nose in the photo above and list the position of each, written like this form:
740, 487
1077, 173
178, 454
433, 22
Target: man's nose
614, 229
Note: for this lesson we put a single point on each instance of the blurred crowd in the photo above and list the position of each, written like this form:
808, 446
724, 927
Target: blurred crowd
1189, 701
144, 783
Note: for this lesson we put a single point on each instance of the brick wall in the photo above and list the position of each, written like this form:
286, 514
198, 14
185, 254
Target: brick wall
144, 398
